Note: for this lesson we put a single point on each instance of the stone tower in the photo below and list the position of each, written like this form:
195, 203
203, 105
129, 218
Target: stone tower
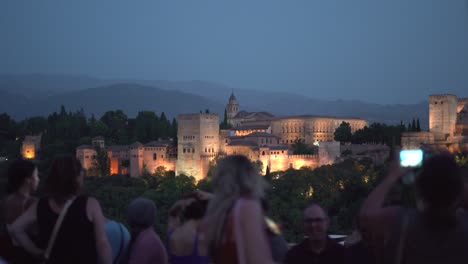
443, 114
232, 108
197, 143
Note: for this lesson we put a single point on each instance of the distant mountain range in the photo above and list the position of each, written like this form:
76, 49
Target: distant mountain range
30, 95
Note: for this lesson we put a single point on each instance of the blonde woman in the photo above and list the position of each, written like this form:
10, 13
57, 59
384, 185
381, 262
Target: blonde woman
234, 219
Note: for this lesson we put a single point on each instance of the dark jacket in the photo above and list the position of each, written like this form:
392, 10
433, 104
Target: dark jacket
301, 253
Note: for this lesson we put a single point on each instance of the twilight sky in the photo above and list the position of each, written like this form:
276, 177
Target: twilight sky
383, 51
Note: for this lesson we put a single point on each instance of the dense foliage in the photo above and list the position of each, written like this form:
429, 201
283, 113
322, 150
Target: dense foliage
63, 131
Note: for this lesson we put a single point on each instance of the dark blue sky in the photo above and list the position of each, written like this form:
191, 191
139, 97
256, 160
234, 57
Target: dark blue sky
392, 51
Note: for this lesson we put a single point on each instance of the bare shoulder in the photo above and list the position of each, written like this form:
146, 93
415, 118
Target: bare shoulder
93, 208
249, 208
93, 202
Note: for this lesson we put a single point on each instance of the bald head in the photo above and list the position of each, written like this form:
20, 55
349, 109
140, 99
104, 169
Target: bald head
315, 222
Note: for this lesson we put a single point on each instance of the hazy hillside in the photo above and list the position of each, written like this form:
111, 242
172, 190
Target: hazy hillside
26, 95
283, 103
41, 86
129, 97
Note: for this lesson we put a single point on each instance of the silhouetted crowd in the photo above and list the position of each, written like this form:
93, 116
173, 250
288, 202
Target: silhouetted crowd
230, 225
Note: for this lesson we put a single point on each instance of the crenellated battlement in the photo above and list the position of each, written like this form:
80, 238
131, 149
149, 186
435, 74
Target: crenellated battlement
441, 96
304, 156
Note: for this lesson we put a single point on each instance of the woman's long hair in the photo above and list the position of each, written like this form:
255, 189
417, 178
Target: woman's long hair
62, 182
234, 177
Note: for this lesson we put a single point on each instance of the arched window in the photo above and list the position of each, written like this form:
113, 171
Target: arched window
155, 156
263, 153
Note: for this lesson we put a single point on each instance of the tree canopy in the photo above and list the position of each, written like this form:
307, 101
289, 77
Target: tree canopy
343, 133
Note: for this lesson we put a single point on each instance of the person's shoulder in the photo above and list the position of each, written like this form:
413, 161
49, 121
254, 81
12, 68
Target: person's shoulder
296, 253
91, 201
334, 244
298, 247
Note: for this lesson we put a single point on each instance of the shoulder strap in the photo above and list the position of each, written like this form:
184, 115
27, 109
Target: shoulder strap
57, 226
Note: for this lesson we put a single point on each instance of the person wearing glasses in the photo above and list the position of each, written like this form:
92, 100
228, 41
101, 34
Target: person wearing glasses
317, 247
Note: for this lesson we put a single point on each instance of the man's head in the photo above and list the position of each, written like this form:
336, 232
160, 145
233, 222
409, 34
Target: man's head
316, 222
440, 184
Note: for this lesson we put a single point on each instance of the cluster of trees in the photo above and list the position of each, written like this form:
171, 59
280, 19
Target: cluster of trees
299, 147
375, 133
63, 131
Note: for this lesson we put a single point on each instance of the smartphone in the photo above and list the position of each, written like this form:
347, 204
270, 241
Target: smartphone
411, 158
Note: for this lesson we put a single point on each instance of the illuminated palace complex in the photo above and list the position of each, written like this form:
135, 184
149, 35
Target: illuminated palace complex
448, 126
258, 135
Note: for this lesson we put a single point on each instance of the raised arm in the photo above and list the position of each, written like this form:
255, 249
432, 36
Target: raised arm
174, 215
373, 205
102, 244
18, 230
375, 220
253, 237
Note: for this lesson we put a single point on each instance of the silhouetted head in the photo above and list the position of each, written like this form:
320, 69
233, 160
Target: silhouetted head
440, 186
315, 222
22, 173
236, 175
195, 210
65, 179
141, 213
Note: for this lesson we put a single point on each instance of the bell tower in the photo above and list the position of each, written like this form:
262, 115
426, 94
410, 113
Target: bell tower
232, 108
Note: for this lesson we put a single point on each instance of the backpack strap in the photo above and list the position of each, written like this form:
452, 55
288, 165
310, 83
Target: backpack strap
57, 226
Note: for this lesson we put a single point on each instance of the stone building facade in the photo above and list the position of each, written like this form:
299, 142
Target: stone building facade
311, 128
130, 159
448, 126
198, 143
30, 146
258, 135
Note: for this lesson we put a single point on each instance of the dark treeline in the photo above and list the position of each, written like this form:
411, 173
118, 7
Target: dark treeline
376, 133
63, 131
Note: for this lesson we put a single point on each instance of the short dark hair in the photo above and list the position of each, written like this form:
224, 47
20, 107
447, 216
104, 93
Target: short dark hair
440, 183
313, 203
62, 180
18, 172
195, 210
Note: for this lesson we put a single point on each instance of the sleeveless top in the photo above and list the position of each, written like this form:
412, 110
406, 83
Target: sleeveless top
422, 243
192, 258
75, 242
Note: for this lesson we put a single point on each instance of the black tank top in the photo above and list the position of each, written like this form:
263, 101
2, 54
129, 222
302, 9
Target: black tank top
75, 242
